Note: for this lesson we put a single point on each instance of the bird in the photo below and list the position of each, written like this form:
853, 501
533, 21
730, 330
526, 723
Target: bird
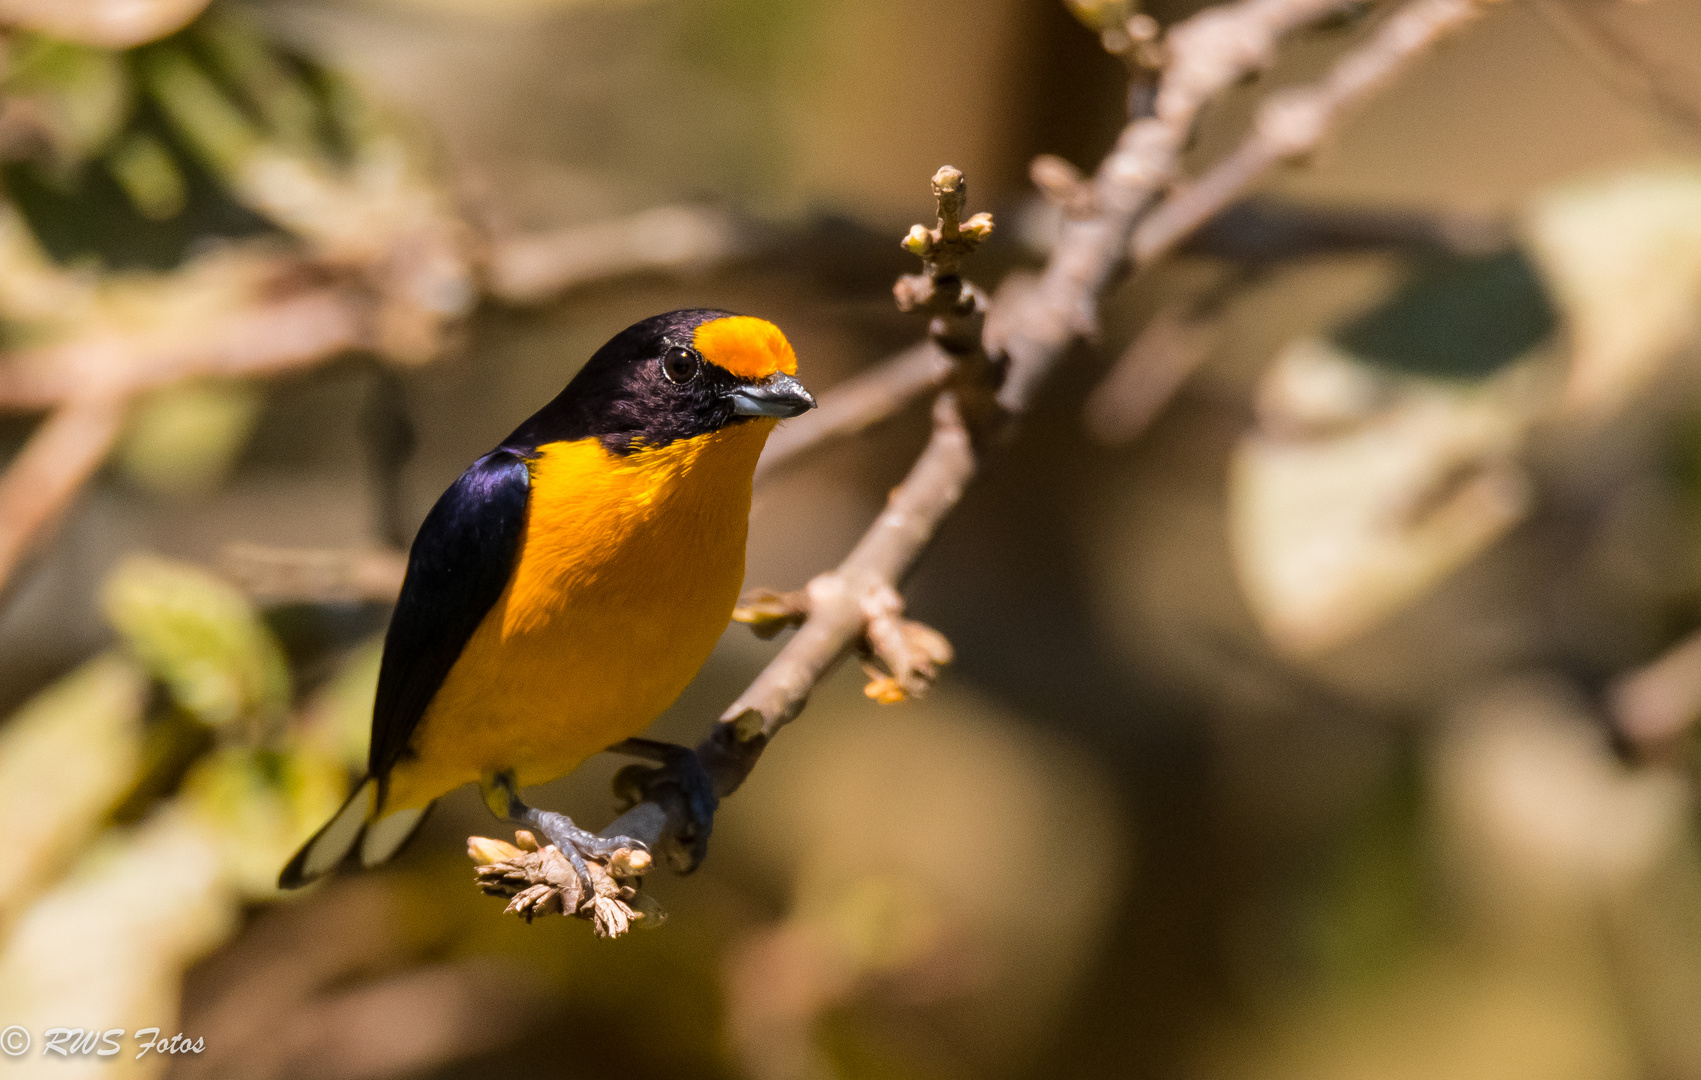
562, 593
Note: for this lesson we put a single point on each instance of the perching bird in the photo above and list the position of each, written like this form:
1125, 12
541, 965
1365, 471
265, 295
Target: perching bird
565, 589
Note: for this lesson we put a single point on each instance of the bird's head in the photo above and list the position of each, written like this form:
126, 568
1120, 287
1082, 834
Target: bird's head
671, 377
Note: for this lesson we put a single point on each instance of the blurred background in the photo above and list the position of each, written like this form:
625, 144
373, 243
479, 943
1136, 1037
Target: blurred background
1323, 691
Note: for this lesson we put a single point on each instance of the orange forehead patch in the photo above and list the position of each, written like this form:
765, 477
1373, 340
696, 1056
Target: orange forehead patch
749, 348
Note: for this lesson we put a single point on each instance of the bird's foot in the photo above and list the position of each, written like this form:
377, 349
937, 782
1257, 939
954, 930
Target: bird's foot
680, 785
579, 845
542, 881
576, 871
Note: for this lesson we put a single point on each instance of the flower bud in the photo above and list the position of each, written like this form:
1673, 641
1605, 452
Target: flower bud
630, 862
978, 227
484, 851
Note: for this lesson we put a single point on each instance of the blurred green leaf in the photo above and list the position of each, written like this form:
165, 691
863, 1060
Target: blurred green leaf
260, 805
172, 741
110, 943
338, 720
78, 97
200, 637
98, 214
1363, 488
185, 438
212, 126
264, 80
1369, 915
146, 171
1100, 15
65, 758
1461, 319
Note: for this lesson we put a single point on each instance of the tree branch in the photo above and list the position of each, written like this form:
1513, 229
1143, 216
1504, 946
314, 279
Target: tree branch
1169, 348
1657, 704
858, 404
1029, 331
106, 24
1293, 123
531, 268
274, 336
1207, 54
89, 383
41, 482
315, 575
278, 334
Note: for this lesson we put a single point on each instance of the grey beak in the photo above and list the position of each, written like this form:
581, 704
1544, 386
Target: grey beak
778, 396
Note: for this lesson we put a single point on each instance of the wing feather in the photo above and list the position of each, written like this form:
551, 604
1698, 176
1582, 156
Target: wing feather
460, 562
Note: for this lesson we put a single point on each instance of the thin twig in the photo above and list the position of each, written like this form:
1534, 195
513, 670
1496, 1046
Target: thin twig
1207, 53
278, 335
41, 482
1660, 702
1293, 123
315, 575
90, 383
1168, 349
529, 269
858, 404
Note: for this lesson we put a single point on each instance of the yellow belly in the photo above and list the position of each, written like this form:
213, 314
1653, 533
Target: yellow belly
627, 574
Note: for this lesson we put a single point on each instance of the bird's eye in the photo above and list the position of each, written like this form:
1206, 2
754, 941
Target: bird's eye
680, 365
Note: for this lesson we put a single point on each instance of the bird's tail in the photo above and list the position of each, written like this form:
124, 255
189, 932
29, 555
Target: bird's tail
379, 840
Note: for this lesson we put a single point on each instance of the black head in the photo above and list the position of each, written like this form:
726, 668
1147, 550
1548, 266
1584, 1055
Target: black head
669, 377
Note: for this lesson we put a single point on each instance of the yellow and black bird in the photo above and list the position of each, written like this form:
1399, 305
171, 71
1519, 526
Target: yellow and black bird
565, 589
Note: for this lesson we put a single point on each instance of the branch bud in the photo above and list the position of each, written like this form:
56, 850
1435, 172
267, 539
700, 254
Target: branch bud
978, 228
919, 241
630, 862
1063, 185
484, 851
1101, 14
767, 612
884, 690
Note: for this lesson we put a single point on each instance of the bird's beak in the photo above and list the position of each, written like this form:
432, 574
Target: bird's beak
778, 396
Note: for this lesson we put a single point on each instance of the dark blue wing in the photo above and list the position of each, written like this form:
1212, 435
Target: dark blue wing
460, 563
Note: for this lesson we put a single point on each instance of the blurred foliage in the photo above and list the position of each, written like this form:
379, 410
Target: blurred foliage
214, 794
108, 163
337, 719
260, 804
62, 757
80, 97
1623, 253
1463, 319
202, 639
185, 438
1370, 914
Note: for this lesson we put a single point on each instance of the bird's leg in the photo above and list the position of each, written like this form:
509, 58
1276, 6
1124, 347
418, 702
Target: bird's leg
678, 783
502, 796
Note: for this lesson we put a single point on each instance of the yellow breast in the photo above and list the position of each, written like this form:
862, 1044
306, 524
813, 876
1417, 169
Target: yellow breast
627, 573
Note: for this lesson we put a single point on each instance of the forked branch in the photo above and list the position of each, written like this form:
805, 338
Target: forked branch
1028, 331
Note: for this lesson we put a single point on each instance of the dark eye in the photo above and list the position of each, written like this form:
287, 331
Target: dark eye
680, 365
